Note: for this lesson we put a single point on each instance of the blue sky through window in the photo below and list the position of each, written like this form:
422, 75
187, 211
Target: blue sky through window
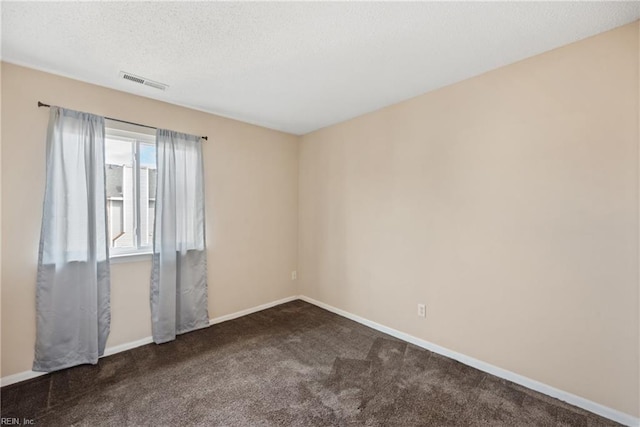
147, 156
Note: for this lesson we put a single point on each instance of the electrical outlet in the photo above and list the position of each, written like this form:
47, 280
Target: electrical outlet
422, 310
294, 275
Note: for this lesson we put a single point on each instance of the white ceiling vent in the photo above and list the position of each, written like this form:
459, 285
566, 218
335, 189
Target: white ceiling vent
143, 81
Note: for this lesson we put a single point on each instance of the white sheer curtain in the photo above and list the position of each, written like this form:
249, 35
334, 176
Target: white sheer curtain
179, 271
72, 294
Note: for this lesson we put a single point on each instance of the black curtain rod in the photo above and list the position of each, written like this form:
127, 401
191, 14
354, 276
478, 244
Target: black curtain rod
41, 104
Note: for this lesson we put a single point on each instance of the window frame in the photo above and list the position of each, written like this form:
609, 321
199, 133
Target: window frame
137, 136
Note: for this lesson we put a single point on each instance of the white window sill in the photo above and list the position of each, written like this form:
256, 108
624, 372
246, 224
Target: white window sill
132, 257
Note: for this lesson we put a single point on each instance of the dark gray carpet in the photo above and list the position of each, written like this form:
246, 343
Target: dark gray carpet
292, 365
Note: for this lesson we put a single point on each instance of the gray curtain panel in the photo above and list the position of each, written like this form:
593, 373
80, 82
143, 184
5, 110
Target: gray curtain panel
179, 271
72, 294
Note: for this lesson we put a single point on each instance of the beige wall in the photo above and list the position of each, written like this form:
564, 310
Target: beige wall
251, 195
508, 203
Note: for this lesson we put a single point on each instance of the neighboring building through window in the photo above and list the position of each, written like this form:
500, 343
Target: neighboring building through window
130, 158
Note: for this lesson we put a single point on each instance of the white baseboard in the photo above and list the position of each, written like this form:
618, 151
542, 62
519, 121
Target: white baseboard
251, 310
27, 375
126, 346
19, 377
572, 399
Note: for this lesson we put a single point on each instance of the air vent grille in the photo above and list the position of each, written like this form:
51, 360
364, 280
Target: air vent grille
132, 78
143, 81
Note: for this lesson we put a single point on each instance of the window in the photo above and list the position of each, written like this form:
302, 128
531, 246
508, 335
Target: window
130, 162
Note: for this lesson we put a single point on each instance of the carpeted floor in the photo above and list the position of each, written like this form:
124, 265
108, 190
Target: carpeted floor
292, 365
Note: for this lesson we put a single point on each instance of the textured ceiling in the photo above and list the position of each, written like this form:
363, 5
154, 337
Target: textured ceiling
294, 67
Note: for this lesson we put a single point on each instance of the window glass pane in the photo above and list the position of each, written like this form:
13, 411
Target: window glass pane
147, 192
118, 152
148, 155
119, 156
